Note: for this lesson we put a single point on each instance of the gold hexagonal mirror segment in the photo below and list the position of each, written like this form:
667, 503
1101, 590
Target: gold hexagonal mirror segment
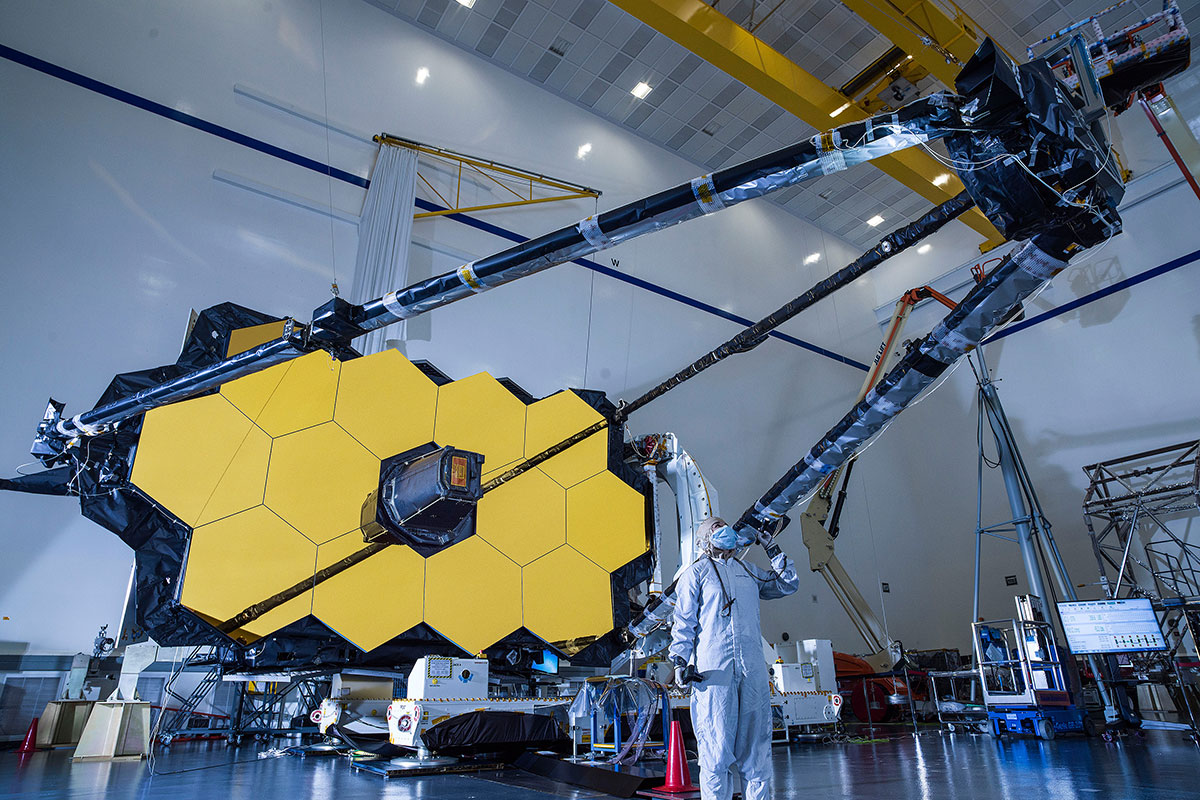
318, 479
606, 520
369, 617
480, 415
181, 469
242, 559
472, 594
524, 518
554, 419
304, 396
386, 403
567, 599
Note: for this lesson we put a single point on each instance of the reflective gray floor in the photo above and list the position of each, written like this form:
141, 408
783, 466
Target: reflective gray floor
931, 766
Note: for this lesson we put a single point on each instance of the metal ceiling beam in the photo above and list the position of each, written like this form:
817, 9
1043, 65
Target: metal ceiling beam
732, 49
938, 42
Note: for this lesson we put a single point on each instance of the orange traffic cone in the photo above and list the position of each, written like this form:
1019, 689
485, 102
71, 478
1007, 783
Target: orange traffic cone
679, 778
30, 743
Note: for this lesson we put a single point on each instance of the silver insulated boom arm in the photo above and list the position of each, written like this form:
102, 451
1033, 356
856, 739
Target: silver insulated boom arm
336, 324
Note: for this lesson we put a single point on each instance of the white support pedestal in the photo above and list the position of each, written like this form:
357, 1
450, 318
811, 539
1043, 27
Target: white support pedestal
116, 730
62, 722
119, 727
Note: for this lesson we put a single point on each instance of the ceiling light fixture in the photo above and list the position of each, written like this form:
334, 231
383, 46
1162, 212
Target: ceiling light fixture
641, 90
925, 248
583, 150
422, 75
812, 258
466, 3
838, 110
941, 180
875, 220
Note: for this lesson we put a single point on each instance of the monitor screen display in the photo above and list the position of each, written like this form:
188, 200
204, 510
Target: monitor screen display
1111, 626
548, 663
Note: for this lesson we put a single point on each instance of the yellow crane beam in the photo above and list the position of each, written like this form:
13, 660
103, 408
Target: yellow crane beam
735, 51
937, 41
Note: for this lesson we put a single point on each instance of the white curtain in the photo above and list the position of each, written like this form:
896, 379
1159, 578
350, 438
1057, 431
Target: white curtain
384, 232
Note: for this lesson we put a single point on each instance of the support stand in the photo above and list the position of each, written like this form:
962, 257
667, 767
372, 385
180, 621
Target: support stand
1031, 529
118, 728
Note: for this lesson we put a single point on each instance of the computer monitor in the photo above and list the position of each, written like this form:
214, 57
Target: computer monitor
1111, 626
547, 662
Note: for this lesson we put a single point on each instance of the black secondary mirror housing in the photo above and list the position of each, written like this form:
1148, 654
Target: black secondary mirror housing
426, 499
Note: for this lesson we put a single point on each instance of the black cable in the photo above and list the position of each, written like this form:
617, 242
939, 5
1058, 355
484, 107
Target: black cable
979, 420
991, 464
726, 607
156, 773
749, 338
836, 518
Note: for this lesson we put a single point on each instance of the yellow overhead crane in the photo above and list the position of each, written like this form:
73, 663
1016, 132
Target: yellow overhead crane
738, 53
938, 42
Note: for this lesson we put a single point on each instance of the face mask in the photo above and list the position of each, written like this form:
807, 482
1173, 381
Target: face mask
724, 538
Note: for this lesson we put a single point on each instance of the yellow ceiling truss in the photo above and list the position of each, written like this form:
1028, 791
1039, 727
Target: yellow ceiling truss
447, 169
737, 52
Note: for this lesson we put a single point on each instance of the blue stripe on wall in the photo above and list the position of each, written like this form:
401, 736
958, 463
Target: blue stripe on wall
90, 84
231, 135
325, 169
642, 284
1099, 294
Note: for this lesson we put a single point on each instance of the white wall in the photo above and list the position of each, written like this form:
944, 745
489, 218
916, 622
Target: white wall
114, 228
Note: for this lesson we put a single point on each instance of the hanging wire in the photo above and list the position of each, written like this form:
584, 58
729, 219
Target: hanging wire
979, 419
587, 348
875, 556
333, 287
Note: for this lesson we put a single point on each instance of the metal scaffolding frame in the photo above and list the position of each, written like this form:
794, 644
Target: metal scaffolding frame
258, 708
1127, 507
1137, 494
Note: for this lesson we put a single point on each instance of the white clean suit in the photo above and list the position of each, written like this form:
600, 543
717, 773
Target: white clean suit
716, 622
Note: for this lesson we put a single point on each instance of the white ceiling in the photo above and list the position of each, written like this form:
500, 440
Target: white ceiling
592, 53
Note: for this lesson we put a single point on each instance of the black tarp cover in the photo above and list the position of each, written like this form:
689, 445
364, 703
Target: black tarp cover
495, 730
52, 481
1025, 125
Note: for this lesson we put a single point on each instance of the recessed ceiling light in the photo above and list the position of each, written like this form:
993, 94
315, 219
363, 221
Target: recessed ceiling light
839, 110
467, 3
422, 75
583, 150
812, 258
941, 180
925, 248
641, 90
875, 220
